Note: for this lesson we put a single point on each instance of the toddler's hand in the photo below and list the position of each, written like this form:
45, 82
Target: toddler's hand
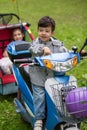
46, 51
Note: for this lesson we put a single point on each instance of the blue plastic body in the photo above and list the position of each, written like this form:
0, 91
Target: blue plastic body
27, 112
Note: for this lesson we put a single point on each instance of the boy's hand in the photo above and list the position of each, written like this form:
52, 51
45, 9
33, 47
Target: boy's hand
46, 51
83, 51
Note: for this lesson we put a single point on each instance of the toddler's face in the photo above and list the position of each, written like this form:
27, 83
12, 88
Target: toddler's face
17, 35
45, 33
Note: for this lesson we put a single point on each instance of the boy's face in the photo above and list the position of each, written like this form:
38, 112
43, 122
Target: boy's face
17, 35
45, 33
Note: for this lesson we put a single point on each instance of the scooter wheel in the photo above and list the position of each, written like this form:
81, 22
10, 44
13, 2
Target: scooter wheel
58, 127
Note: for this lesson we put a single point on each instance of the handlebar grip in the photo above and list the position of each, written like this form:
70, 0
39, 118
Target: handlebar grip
85, 44
84, 55
25, 60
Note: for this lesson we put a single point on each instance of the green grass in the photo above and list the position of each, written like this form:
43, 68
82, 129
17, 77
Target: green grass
71, 28
9, 119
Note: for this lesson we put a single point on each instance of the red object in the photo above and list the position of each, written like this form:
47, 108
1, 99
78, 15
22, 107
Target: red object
8, 79
5, 39
7, 82
29, 31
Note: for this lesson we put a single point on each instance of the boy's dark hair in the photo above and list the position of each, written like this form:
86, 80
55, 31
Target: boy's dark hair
46, 21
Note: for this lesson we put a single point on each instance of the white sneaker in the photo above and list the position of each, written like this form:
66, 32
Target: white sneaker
38, 125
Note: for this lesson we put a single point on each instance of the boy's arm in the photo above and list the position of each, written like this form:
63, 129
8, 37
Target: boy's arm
46, 51
36, 49
60, 46
63, 48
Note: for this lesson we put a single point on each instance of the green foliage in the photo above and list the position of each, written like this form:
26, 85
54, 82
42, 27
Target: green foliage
9, 119
71, 28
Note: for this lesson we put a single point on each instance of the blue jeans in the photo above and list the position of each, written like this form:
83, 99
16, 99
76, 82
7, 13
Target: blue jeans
39, 102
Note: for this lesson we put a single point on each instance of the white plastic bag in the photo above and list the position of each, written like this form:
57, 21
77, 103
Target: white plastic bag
6, 65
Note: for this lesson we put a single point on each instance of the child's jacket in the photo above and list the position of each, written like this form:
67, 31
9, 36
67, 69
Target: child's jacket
38, 75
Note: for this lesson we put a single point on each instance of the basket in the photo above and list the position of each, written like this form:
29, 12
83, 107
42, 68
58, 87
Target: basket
63, 103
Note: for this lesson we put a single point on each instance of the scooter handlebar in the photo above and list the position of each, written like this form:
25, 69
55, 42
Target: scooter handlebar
25, 60
83, 55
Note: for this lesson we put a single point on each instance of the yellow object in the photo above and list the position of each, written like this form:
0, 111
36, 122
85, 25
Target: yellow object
48, 64
75, 61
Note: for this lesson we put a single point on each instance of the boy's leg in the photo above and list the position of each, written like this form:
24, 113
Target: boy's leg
38, 125
39, 105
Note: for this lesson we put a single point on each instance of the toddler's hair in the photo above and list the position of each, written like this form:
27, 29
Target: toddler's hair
46, 21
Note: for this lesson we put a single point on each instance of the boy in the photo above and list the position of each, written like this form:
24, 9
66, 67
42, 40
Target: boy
5, 63
45, 44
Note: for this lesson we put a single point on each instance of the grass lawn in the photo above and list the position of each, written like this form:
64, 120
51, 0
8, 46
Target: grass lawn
9, 119
71, 28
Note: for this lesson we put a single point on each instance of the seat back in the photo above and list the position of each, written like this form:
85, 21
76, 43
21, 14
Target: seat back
5, 39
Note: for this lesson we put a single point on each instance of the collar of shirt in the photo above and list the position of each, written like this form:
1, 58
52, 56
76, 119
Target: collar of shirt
40, 41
